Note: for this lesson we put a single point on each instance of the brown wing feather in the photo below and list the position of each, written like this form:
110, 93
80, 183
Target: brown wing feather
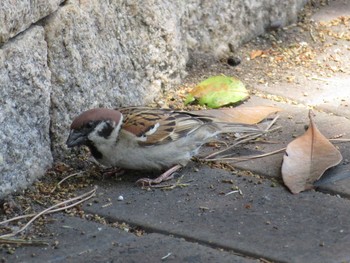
159, 126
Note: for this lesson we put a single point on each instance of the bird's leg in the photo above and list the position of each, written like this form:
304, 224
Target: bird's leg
167, 175
113, 171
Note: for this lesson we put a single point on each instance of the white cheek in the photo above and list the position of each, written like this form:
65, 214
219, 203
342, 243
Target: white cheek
94, 135
101, 141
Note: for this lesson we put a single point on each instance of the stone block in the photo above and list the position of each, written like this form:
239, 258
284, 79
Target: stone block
25, 87
18, 15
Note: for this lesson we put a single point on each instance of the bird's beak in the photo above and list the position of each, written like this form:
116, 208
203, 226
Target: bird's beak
76, 138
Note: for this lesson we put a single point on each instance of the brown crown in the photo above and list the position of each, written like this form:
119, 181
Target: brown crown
98, 114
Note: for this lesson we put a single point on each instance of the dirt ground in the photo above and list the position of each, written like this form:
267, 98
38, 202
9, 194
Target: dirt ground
289, 56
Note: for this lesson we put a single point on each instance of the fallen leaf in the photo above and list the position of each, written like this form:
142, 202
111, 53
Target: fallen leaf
246, 115
218, 91
255, 53
279, 58
61, 167
307, 158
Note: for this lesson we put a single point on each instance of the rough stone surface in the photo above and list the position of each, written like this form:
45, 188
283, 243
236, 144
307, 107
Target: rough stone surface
25, 89
18, 15
221, 28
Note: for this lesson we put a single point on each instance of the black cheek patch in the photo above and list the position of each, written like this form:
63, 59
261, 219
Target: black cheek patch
94, 151
106, 131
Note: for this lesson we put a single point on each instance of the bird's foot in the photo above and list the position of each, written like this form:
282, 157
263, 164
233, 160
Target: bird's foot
116, 171
167, 175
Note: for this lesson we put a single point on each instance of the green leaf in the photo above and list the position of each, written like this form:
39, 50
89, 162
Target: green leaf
189, 99
218, 91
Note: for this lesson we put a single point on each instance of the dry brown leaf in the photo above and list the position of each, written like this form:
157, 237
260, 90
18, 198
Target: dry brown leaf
256, 53
307, 158
246, 115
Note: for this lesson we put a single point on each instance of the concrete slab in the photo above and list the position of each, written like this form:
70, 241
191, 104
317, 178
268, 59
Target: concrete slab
78, 240
333, 10
330, 94
336, 180
264, 222
293, 121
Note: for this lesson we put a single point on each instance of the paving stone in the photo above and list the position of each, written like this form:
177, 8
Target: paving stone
328, 94
333, 10
293, 121
264, 222
78, 240
336, 180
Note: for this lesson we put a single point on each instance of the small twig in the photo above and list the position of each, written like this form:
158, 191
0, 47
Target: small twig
246, 138
23, 242
339, 140
321, 79
17, 218
271, 123
82, 198
235, 191
241, 159
252, 137
275, 129
172, 186
51, 211
219, 142
166, 256
312, 34
106, 205
64, 179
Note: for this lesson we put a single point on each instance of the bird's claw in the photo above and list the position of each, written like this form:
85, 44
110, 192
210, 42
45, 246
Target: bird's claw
116, 171
167, 175
143, 182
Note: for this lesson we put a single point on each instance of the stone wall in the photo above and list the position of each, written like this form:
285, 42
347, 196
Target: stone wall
25, 85
58, 58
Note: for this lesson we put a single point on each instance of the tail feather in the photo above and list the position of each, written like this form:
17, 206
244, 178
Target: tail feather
226, 127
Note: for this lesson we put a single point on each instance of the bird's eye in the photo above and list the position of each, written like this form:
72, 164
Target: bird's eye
89, 125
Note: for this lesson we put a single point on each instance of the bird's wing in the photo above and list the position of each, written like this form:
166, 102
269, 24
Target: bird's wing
159, 126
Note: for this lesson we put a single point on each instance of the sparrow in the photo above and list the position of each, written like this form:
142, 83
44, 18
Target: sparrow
142, 138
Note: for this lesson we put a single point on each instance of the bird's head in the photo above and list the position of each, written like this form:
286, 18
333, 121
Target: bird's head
94, 126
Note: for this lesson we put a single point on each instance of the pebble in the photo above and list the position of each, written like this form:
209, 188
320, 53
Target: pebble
120, 198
